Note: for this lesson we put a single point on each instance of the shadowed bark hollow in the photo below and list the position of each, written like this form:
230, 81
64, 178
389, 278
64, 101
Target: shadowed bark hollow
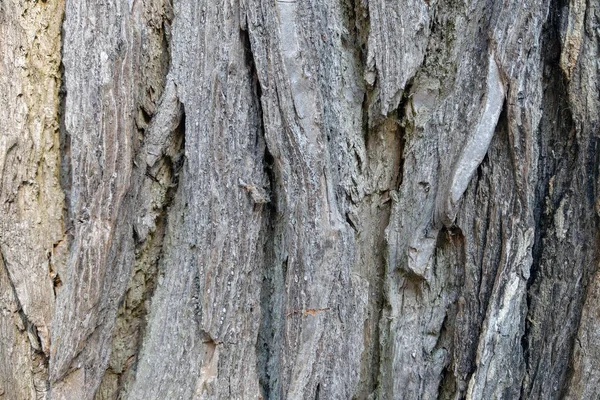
269, 199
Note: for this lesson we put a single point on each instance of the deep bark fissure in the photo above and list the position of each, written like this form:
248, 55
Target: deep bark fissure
381, 334
66, 177
265, 344
403, 125
562, 263
149, 253
31, 329
547, 204
157, 178
40, 360
449, 382
65, 172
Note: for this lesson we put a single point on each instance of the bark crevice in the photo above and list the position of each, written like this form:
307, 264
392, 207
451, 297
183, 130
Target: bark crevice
39, 359
266, 345
158, 161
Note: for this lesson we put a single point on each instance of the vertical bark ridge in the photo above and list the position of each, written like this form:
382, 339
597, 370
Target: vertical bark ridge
312, 117
160, 124
99, 121
205, 314
31, 200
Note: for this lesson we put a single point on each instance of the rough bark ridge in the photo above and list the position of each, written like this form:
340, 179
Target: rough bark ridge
299, 199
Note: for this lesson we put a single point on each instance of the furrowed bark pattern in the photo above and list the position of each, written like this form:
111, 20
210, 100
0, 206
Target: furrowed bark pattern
288, 199
304, 105
98, 40
31, 200
212, 257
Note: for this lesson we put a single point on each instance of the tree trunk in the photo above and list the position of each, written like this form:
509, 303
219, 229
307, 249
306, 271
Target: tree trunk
285, 199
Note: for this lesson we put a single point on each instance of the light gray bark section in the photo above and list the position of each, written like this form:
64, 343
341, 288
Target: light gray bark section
477, 143
310, 116
112, 65
205, 314
398, 36
97, 54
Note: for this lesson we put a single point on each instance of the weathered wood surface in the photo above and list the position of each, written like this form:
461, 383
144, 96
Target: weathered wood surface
299, 199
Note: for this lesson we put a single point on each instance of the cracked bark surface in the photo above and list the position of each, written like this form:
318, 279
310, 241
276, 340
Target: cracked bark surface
287, 200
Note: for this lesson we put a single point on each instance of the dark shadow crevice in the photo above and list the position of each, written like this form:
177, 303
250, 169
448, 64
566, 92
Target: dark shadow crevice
266, 349
560, 163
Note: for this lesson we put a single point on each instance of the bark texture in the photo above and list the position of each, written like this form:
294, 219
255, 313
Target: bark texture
284, 199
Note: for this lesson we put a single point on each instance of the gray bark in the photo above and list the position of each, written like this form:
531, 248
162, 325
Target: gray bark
274, 199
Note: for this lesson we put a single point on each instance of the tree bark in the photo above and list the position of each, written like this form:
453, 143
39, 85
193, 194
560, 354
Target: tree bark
282, 199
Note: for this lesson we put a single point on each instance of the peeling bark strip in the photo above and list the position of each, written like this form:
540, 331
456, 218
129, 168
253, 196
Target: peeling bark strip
477, 143
287, 199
